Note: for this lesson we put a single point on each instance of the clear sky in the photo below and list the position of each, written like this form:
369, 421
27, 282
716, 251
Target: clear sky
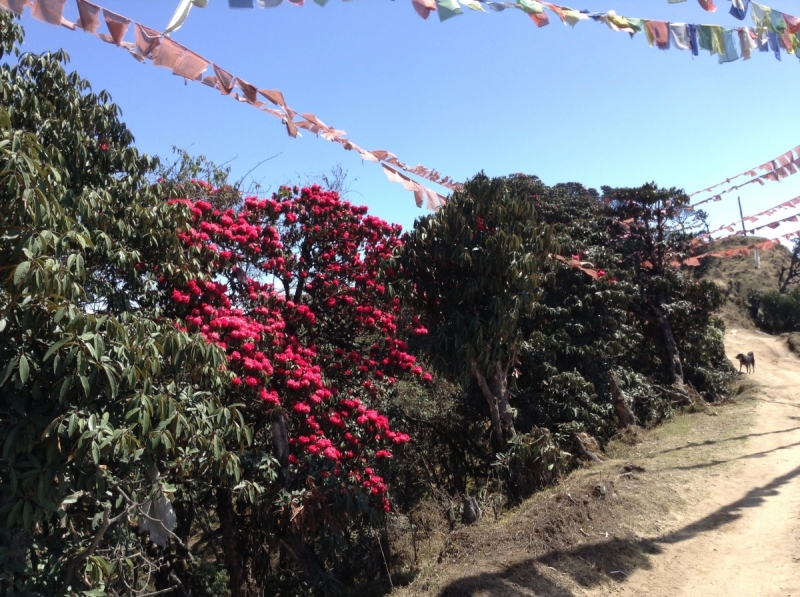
482, 91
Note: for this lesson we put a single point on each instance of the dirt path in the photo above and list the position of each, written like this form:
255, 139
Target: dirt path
710, 509
743, 536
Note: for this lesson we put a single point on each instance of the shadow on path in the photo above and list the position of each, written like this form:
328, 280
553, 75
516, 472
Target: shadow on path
715, 462
592, 564
711, 442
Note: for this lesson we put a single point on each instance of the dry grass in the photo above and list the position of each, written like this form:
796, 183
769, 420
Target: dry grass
600, 523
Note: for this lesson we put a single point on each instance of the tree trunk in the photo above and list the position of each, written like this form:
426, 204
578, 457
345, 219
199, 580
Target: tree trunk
494, 411
500, 383
673, 356
495, 390
625, 417
233, 562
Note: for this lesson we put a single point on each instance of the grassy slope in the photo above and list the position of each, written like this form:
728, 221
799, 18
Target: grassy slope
737, 276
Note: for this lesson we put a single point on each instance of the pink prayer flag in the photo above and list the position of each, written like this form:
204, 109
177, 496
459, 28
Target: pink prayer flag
791, 219
792, 23
291, 128
273, 95
431, 199
424, 7
168, 53
190, 65
367, 156
408, 184
773, 225
117, 26
382, 154
785, 158
419, 191
225, 80
49, 11
707, 5
390, 174
15, 6
275, 113
250, 91
315, 120
211, 82
147, 39
298, 2
89, 19
309, 126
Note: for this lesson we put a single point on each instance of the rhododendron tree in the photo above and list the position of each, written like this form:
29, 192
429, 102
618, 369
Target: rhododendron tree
298, 296
476, 267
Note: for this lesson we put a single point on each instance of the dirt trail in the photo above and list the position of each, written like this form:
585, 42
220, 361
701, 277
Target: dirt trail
743, 536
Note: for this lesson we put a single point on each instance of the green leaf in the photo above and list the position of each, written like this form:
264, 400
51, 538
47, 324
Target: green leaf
21, 272
55, 347
24, 369
10, 366
112, 380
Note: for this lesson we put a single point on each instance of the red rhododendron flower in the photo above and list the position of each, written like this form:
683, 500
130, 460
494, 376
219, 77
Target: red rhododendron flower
287, 275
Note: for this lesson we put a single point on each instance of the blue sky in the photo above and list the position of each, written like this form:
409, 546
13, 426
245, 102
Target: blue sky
478, 92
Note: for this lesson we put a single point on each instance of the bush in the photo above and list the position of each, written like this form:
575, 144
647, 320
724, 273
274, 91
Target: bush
532, 460
778, 313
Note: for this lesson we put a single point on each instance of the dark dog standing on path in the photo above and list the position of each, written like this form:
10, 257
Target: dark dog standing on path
748, 360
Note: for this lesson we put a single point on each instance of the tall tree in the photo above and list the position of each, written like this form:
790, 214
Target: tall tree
649, 237
302, 306
104, 404
475, 268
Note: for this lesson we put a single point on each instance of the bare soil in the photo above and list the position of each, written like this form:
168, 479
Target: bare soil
705, 505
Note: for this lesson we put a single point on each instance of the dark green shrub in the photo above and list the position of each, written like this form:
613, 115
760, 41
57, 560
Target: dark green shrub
531, 461
779, 313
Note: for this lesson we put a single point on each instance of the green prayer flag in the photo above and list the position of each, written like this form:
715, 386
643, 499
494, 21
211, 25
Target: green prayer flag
776, 22
531, 6
704, 36
635, 23
447, 9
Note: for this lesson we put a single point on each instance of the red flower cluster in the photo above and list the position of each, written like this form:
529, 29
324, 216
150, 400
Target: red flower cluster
299, 302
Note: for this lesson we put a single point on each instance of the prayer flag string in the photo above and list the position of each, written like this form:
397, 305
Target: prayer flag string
776, 170
773, 31
161, 50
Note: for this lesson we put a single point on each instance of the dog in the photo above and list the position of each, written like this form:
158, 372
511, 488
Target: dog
748, 360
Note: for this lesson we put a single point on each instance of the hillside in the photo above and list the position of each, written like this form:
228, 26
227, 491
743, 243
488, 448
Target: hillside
738, 276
